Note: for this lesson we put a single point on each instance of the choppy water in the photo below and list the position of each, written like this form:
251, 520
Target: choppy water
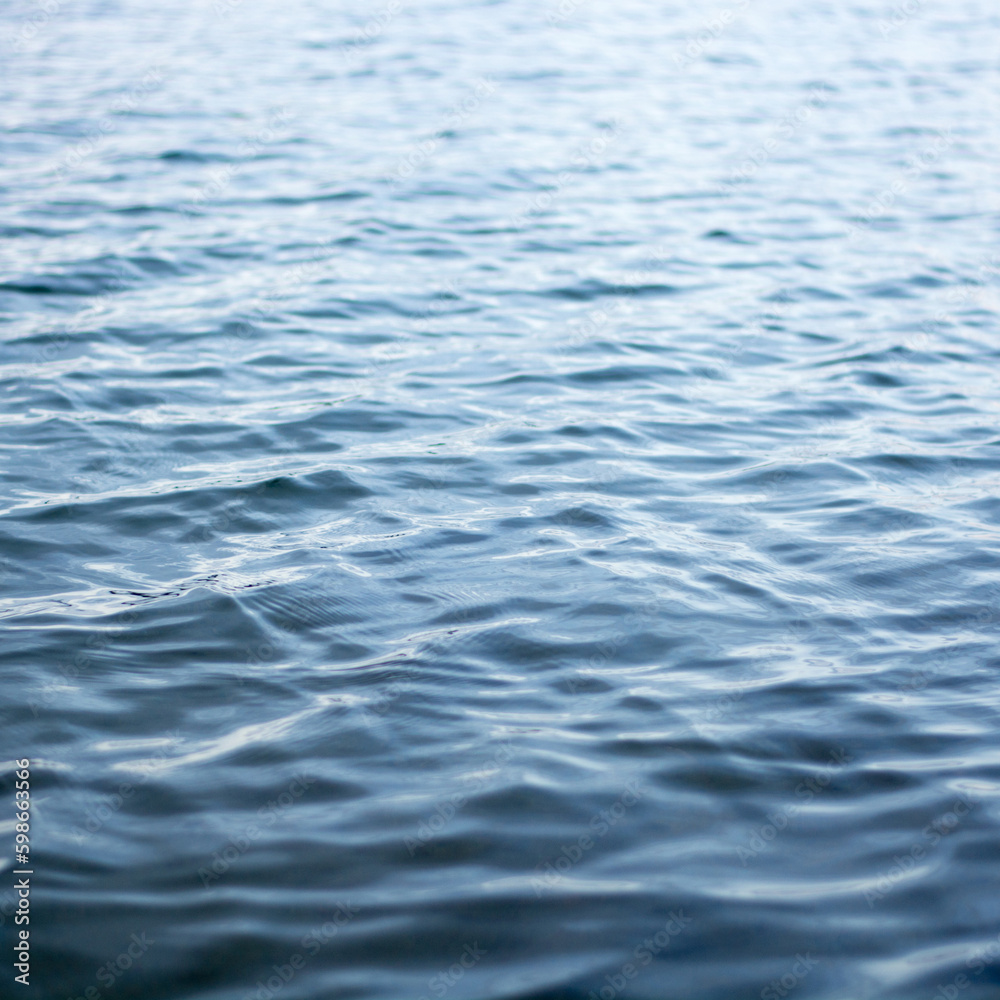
490, 484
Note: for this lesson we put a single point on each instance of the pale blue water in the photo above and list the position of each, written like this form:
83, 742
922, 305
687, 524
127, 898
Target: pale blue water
500, 499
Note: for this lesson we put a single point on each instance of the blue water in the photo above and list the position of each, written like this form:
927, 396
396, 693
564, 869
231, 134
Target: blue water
500, 498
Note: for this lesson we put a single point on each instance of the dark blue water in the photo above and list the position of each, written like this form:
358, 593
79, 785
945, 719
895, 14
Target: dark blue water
500, 498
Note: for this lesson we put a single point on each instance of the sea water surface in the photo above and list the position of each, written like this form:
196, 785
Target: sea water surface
500, 498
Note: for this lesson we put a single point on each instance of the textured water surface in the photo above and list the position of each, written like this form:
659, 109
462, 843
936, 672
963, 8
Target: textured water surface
500, 498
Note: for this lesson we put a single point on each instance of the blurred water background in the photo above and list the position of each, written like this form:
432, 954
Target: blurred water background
500, 498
